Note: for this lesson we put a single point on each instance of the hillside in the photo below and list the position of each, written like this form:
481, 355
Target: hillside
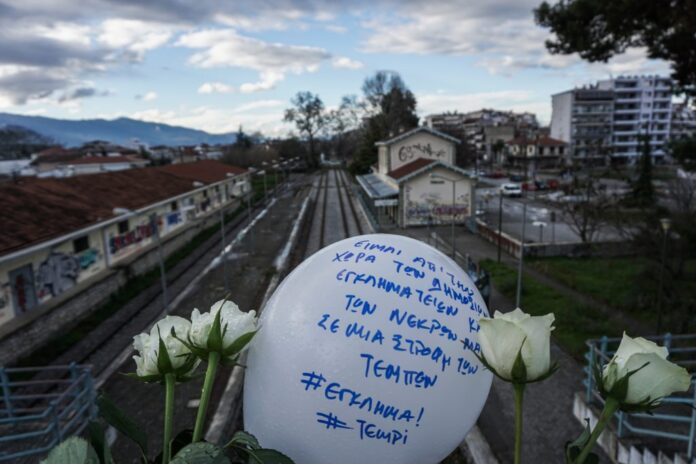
122, 131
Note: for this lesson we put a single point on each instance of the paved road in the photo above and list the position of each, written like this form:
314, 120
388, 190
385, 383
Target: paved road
539, 224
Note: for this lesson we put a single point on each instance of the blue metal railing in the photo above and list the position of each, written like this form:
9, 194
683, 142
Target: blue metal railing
36, 415
678, 422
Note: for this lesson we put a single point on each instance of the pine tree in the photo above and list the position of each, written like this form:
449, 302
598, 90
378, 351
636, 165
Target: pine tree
643, 192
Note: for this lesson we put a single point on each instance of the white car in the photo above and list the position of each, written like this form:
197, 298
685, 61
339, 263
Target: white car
511, 190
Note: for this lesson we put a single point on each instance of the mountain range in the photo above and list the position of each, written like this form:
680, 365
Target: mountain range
122, 131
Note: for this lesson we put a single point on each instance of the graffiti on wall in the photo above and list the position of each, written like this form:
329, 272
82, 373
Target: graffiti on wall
137, 235
410, 152
173, 219
58, 273
87, 258
431, 208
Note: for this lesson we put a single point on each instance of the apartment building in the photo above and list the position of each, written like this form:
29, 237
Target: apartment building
483, 128
608, 120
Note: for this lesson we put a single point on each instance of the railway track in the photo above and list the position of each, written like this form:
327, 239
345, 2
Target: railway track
101, 346
334, 214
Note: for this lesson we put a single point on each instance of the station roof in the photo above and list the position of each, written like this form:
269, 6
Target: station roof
420, 166
415, 130
376, 187
36, 210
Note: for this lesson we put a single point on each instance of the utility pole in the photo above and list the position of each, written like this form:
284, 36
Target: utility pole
224, 254
500, 223
518, 300
666, 224
160, 258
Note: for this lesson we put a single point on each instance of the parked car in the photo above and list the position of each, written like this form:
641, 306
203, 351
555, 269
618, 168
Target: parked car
553, 184
495, 174
516, 177
529, 186
511, 190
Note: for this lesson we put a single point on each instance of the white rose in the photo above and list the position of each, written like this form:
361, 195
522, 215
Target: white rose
147, 345
503, 336
658, 379
233, 322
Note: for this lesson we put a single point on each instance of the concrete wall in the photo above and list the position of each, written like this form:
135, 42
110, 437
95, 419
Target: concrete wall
425, 198
561, 108
511, 246
420, 145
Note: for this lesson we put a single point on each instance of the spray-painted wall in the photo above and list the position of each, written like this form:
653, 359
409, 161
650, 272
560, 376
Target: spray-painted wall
427, 199
419, 145
35, 278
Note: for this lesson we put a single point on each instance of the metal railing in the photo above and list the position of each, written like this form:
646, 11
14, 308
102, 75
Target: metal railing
675, 419
36, 415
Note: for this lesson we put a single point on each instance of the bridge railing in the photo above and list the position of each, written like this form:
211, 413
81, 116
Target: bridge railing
36, 415
675, 419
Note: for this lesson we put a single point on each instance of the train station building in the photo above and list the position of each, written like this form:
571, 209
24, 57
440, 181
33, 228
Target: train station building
416, 182
61, 236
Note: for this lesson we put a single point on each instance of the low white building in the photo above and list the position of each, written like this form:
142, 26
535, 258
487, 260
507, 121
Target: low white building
415, 181
63, 234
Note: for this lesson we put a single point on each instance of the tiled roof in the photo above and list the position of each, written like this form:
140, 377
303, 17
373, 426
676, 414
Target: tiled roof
543, 140
104, 160
409, 168
410, 132
206, 171
37, 210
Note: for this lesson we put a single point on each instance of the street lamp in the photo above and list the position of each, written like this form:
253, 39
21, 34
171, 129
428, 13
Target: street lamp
666, 224
454, 204
155, 227
500, 222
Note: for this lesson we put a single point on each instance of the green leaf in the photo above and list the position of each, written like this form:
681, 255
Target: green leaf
201, 453
74, 450
239, 344
519, 370
573, 448
268, 456
121, 422
164, 364
180, 441
243, 438
215, 335
97, 438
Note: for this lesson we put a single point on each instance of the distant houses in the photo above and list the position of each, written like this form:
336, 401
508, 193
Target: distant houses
101, 156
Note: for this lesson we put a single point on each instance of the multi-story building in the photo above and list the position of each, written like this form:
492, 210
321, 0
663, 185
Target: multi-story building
535, 153
610, 119
683, 123
583, 119
483, 128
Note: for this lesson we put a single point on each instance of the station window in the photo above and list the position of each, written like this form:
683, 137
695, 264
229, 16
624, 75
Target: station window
205, 194
81, 244
174, 205
123, 227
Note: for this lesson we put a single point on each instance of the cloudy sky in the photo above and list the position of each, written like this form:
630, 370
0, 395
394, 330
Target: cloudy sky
215, 65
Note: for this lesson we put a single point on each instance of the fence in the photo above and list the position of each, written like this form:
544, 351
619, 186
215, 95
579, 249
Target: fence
676, 417
36, 415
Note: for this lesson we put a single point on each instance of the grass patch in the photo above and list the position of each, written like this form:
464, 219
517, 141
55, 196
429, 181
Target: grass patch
575, 323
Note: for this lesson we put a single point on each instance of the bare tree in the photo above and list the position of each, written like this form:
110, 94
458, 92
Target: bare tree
342, 120
308, 115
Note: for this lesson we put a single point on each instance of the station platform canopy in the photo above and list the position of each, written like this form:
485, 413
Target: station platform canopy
377, 188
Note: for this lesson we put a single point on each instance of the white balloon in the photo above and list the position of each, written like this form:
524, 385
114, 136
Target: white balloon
365, 356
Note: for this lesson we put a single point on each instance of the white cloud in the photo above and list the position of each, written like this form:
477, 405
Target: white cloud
134, 35
215, 87
217, 120
226, 48
336, 28
258, 104
346, 63
268, 81
150, 96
